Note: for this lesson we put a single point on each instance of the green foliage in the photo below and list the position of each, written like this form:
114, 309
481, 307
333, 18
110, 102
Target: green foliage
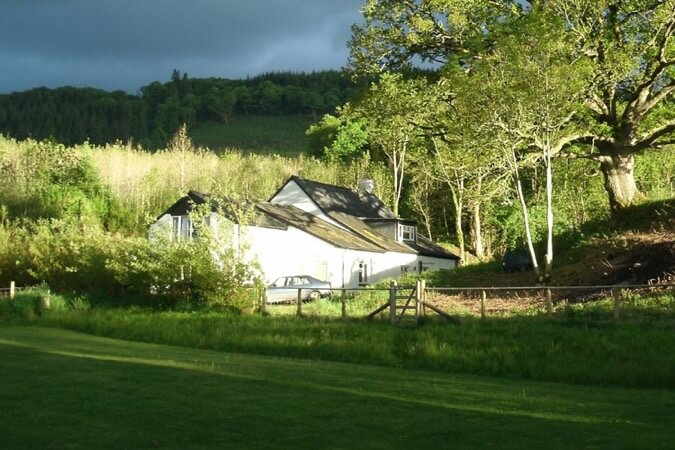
200, 273
43, 179
72, 258
72, 116
338, 139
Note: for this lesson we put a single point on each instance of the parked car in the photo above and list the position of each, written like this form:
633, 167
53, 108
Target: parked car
517, 261
286, 288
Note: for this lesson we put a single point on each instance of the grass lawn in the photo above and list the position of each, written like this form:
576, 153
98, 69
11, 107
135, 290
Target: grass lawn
61, 389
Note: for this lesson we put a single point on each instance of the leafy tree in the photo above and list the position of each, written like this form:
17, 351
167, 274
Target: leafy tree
338, 139
628, 107
391, 109
533, 117
629, 102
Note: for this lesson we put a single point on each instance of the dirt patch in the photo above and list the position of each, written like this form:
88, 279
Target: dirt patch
496, 303
637, 258
644, 258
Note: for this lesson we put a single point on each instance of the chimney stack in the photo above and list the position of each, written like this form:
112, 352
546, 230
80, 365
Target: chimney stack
366, 186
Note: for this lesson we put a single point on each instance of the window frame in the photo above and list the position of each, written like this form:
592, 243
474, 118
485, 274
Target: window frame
404, 229
179, 229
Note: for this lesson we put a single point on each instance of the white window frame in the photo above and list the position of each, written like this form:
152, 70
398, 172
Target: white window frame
410, 230
363, 273
177, 223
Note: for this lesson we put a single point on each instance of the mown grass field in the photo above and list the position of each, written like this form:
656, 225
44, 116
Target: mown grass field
62, 389
283, 135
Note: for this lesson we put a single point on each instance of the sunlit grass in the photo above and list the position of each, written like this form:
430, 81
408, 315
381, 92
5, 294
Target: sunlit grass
68, 390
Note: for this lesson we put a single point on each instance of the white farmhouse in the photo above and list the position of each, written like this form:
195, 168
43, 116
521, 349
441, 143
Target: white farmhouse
347, 237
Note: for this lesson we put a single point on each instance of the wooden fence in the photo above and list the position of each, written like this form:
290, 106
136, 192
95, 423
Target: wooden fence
414, 301
11, 291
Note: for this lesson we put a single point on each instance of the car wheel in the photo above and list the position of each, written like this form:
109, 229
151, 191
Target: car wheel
314, 295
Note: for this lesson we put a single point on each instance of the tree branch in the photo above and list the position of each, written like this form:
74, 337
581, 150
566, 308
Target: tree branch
652, 136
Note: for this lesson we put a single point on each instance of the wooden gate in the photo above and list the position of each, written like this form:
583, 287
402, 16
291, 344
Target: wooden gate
413, 298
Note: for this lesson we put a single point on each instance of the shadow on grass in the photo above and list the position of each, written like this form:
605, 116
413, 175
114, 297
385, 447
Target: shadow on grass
86, 392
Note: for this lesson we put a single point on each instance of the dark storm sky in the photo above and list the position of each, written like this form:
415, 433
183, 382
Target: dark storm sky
124, 44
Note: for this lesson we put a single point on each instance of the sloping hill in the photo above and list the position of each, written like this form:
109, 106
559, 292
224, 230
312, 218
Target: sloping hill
283, 135
636, 248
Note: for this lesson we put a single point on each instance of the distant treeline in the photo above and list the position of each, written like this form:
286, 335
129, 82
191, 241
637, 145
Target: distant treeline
73, 115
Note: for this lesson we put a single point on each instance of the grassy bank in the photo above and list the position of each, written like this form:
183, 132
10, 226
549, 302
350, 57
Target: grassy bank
69, 390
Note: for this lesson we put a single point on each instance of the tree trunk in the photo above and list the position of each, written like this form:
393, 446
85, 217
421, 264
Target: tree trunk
528, 231
476, 232
457, 204
619, 178
548, 271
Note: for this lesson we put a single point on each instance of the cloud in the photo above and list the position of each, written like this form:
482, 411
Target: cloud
123, 44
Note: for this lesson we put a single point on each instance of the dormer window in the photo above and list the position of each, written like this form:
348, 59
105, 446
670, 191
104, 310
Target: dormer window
406, 233
182, 228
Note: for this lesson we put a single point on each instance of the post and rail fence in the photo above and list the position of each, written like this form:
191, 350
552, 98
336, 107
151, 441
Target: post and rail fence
11, 292
414, 299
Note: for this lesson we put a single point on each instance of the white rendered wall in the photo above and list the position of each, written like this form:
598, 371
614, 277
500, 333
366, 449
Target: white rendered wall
294, 252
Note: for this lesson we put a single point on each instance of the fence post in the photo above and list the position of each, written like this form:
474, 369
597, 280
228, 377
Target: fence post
343, 300
299, 303
46, 300
263, 301
483, 297
616, 295
392, 302
419, 298
549, 302
12, 289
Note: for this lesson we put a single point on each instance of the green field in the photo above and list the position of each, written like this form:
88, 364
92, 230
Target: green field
284, 135
61, 389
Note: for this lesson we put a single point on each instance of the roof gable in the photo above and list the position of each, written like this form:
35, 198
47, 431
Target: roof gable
335, 199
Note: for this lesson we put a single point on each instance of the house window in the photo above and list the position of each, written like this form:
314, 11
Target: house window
406, 232
182, 228
363, 273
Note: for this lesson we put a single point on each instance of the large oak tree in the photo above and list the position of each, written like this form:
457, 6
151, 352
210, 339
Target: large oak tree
629, 43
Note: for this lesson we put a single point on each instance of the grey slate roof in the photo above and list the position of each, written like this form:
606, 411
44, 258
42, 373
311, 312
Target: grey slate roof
354, 209
186, 204
365, 232
317, 227
336, 199
426, 247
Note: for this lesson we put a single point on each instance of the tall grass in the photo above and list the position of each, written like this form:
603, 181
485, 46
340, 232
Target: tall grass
32, 303
147, 183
